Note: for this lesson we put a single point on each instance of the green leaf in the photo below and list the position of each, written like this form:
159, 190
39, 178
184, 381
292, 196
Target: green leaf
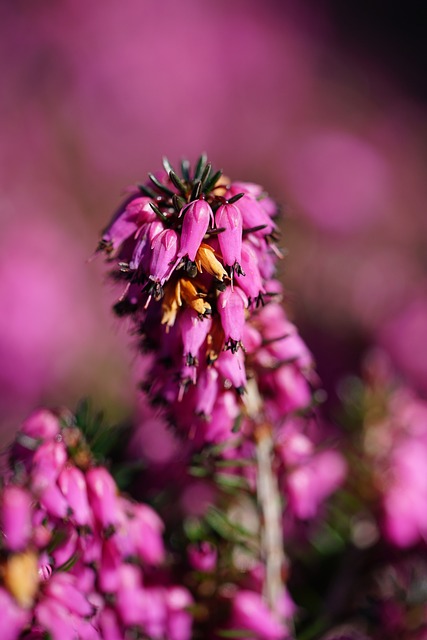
200, 166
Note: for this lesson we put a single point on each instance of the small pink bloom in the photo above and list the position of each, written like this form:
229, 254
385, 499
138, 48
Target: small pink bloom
111, 559
102, 491
178, 619
153, 619
136, 213
141, 256
63, 588
252, 613
110, 626
253, 215
232, 304
73, 486
207, 391
16, 517
229, 217
232, 367
224, 414
164, 249
51, 499
130, 597
41, 425
48, 462
203, 557
14, 618
56, 619
292, 388
310, 484
194, 331
65, 551
146, 528
251, 283
197, 216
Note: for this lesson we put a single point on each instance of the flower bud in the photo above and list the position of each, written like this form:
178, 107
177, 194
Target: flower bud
16, 517
229, 218
163, 253
197, 217
102, 493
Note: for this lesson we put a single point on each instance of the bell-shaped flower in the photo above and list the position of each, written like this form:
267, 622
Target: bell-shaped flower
14, 618
141, 256
146, 528
164, 249
251, 613
72, 483
232, 368
197, 217
135, 214
229, 218
111, 559
41, 425
253, 215
203, 556
194, 331
251, 282
102, 491
207, 391
178, 618
48, 462
232, 304
16, 517
64, 588
130, 598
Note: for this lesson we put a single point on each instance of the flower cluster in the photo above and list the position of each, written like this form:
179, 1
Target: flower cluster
395, 445
198, 253
77, 557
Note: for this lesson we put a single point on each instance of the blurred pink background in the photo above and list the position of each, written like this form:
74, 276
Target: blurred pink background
95, 93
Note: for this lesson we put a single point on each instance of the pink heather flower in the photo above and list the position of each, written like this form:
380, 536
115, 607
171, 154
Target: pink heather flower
196, 219
207, 391
111, 560
142, 254
405, 500
164, 249
146, 529
102, 492
62, 588
203, 556
232, 304
232, 368
251, 282
224, 415
229, 218
194, 332
14, 617
253, 215
110, 626
127, 222
15, 517
72, 483
309, 484
250, 613
40, 425
178, 618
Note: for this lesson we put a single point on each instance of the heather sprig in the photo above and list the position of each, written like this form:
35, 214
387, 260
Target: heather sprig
198, 253
78, 559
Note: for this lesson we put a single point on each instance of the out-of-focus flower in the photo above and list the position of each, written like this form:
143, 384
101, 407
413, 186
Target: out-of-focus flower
251, 616
339, 180
70, 541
